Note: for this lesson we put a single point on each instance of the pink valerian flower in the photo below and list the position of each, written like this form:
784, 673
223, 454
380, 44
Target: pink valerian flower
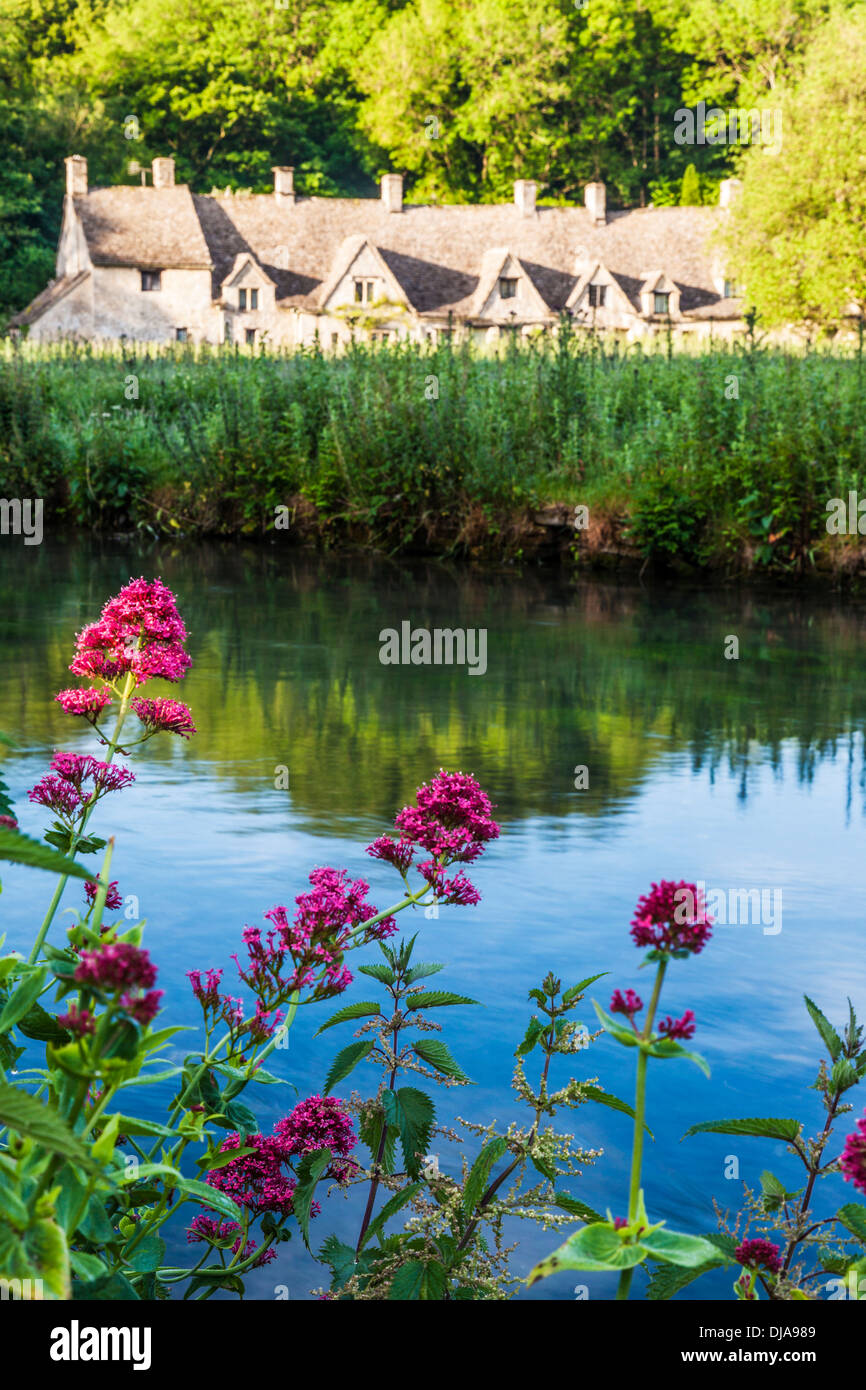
115, 966
170, 716
138, 632
672, 918
258, 1180
853, 1159
399, 853
142, 1007
759, 1254
457, 890
113, 900
215, 1232
88, 702
320, 1122
76, 780
77, 1021
678, 1027
628, 1004
208, 994
9, 822
619, 1221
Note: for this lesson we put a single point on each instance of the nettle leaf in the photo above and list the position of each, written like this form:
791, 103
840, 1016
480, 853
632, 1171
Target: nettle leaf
346, 1061
34, 1119
411, 1112
339, 1258
829, 1036
853, 1217
534, 1032
843, 1074
370, 1132
669, 1047
436, 999
774, 1191
418, 1280
309, 1170
479, 1173
566, 1202
612, 1102
18, 848
421, 972
397, 1202
574, 993
436, 1054
383, 973
365, 1009
770, 1128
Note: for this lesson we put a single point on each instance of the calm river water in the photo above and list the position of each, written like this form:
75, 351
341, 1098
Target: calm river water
743, 774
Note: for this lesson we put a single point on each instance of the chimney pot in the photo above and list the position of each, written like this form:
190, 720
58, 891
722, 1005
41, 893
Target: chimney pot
595, 197
525, 191
392, 192
728, 190
163, 172
76, 176
284, 183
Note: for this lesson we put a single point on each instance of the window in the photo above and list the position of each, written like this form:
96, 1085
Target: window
597, 296
242, 299
365, 291
254, 299
229, 329
335, 341
661, 302
730, 290
507, 289
181, 335
151, 280
380, 336
251, 336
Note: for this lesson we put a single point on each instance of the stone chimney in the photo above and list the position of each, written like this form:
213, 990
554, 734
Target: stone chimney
76, 176
163, 173
728, 191
284, 184
392, 192
524, 196
595, 197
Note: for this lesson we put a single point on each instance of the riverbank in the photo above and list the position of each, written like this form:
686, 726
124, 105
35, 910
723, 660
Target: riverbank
717, 463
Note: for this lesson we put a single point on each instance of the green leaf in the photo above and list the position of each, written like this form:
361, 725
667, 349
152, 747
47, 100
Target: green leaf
853, 1216
22, 849
669, 1047
436, 1054
129, 1124
86, 1267
421, 972
241, 1117
111, 1288
208, 1196
435, 999
94, 1224
668, 1279
25, 995
370, 1132
771, 1128
365, 1009
40, 1252
339, 1258
396, 1203
595, 1247
612, 1102
346, 1061
627, 1036
575, 1208
829, 1036
411, 1112
774, 1191
572, 994
534, 1031
480, 1171
37, 1023
676, 1248
147, 1255
843, 1075
418, 1280
34, 1119
309, 1170
383, 973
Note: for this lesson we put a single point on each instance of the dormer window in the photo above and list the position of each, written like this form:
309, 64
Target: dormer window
597, 296
507, 288
661, 302
151, 280
365, 291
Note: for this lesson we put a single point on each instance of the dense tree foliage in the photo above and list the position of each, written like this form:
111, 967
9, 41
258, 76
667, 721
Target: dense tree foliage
462, 96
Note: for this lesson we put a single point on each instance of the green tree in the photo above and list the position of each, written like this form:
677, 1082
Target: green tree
690, 189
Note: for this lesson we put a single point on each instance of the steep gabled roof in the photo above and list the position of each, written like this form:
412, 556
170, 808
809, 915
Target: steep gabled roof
345, 258
153, 228
54, 291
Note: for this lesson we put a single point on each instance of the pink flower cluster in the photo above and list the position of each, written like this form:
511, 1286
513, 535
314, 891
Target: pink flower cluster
257, 1029
170, 716
678, 1027
9, 822
672, 918
630, 1004
759, 1254
113, 900
259, 1181
75, 780
853, 1160
119, 966
207, 1228
77, 1021
88, 702
139, 631
453, 822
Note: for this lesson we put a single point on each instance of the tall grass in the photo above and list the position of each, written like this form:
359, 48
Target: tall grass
694, 453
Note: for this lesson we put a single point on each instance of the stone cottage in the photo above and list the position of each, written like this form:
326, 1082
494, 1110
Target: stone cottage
159, 264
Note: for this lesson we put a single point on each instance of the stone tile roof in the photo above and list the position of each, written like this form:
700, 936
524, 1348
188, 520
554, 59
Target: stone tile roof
54, 291
435, 252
